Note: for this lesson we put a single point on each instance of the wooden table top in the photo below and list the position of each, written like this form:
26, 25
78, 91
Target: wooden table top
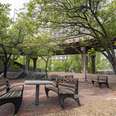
38, 82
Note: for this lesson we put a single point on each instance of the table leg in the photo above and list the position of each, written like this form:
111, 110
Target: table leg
37, 95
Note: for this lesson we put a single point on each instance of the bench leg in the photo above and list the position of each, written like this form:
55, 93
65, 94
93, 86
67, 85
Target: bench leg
100, 85
17, 105
46, 91
92, 82
37, 95
78, 101
107, 85
61, 101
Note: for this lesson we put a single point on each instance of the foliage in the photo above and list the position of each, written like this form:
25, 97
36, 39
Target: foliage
37, 41
102, 63
93, 18
10, 37
91, 52
5, 38
72, 63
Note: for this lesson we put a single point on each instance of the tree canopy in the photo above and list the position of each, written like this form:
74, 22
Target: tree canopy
45, 24
73, 18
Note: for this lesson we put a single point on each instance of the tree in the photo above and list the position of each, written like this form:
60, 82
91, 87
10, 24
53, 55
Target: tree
11, 35
37, 41
40, 45
7, 43
94, 18
92, 55
4, 24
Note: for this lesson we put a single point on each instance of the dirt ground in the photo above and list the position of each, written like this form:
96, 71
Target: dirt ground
95, 101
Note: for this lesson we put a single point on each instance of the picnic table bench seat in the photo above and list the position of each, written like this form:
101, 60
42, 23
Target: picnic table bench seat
10, 94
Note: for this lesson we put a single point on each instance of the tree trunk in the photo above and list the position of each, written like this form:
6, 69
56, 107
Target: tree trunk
113, 63
86, 63
28, 63
93, 67
112, 60
49, 67
34, 63
5, 69
46, 68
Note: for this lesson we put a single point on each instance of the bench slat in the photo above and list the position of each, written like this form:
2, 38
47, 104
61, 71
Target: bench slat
2, 84
3, 88
8, 94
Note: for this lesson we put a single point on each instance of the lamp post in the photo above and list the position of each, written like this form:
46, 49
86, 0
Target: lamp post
83, 49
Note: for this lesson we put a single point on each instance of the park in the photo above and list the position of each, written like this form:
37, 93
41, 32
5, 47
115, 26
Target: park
58, 58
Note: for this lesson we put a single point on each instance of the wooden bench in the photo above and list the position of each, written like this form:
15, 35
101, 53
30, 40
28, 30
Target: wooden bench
101, 80
64, 89
10, 94
56, 79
